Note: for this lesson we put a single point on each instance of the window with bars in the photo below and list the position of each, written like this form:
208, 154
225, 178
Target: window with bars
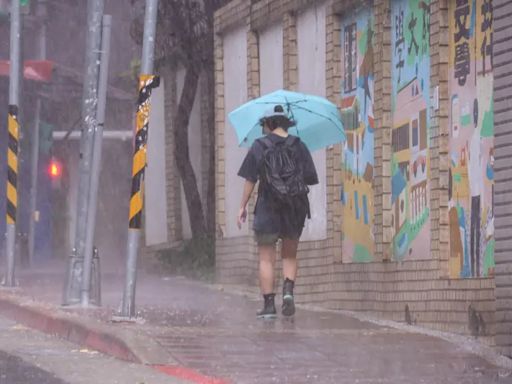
350, 60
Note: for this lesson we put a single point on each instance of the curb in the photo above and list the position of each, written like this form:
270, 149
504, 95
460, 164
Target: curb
67, 328
122, 344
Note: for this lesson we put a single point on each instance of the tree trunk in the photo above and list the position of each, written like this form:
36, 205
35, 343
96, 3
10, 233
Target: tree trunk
182, 153
209, 69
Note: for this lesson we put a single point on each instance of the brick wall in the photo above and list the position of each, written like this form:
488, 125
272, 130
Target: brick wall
439, 33
382, 287
502, 60
382, 187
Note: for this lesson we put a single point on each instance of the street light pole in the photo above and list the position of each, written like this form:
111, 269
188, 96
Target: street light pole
96, 158
147, 82
89, 105
13, 141
35, 140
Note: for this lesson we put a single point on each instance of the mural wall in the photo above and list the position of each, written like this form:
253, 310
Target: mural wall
410, 163
357, 30
471, 139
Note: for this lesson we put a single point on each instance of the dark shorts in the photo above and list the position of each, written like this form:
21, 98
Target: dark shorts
263, 238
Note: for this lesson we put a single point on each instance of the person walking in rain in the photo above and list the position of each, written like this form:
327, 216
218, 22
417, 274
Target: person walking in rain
284, 168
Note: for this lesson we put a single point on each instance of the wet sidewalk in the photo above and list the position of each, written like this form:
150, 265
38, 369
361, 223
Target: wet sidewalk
207, 330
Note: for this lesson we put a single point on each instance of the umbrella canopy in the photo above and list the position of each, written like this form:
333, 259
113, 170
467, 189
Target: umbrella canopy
317, 120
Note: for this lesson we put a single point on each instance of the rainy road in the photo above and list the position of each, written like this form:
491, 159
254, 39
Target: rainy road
14, 370
29, 357
213, 332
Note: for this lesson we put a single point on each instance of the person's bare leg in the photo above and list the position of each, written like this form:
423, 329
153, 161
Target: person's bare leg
267, 255
289, 255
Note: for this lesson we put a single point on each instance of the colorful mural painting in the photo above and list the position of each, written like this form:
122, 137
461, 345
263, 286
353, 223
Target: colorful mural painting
471, 125
357, 30
410, 162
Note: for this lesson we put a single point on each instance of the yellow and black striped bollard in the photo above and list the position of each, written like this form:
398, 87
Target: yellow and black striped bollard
146, 84
12, 164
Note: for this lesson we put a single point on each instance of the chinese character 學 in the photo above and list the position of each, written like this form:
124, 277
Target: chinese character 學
462, 62
461, 36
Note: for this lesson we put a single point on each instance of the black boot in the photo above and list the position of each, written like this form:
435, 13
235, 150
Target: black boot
269, 308
288, 302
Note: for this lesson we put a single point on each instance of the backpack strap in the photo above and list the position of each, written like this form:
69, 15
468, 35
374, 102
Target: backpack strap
267, 142
291, 140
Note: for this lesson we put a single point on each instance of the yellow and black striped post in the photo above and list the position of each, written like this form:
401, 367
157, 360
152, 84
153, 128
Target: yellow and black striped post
146, 84
12, 190
12, 164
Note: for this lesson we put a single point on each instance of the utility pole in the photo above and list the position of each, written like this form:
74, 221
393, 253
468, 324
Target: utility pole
42, 15
13, 141
73, 283
147, 81
96, 158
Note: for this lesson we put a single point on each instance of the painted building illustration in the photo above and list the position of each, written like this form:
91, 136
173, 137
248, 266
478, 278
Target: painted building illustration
471, 123
357, 32
410, 163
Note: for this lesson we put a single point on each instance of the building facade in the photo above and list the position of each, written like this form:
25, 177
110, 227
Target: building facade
502, 63
403, 221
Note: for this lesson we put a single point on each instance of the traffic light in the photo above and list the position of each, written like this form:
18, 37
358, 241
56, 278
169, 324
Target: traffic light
55, 172
55, 169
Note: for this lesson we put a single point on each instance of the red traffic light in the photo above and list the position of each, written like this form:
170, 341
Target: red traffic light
55, 169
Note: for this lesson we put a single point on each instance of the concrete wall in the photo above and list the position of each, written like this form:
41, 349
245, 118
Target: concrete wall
156, 231
235, 83
311, 79
271, 58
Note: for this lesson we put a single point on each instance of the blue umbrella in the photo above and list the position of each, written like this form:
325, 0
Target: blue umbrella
317, 120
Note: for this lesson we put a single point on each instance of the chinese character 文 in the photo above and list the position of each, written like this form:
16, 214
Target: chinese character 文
461, 17
412, 25
426, 25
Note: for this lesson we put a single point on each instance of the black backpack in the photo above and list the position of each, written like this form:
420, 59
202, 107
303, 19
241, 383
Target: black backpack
282, 177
